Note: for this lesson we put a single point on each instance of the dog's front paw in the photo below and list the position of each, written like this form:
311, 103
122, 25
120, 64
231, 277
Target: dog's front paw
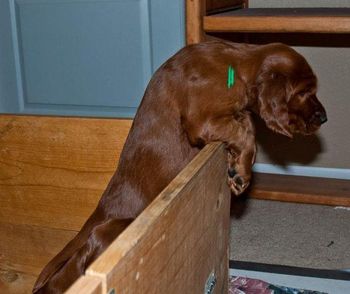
237, 183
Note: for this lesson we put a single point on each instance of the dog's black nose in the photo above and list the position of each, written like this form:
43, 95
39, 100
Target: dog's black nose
322, 116
231, 172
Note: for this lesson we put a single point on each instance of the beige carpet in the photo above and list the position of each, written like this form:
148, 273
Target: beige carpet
300, 235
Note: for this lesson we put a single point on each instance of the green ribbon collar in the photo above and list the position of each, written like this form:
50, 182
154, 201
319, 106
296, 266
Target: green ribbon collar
230, 77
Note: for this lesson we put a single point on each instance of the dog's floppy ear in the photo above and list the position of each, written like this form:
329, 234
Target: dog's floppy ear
272, 102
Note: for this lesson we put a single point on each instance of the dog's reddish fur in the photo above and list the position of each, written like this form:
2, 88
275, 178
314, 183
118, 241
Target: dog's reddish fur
187, 104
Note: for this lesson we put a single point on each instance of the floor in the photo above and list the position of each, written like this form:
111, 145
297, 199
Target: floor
310, 236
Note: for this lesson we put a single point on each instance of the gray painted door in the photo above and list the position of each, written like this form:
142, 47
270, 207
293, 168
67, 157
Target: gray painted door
83, 57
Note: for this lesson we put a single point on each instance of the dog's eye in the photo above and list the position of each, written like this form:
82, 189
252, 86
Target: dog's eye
276, 75
303, 93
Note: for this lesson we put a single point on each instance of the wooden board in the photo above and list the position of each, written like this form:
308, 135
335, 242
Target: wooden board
16, 282
299, 189
176, 242
194, 21
24, 251
28, 248
53, 170
197, 9
86, 285
308, 20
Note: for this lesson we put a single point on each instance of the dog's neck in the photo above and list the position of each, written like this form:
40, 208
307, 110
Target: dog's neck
249, 74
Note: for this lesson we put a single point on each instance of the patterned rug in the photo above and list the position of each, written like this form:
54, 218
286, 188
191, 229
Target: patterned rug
241, 285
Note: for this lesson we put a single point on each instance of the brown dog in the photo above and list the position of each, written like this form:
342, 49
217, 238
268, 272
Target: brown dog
188, 103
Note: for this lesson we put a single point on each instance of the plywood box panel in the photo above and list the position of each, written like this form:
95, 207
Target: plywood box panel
28, 248
52, 173
16, 282
53, 170
182, 237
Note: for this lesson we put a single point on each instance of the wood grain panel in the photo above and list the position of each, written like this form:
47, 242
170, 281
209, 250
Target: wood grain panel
179, 239
24, 251
16, 282
53, 170
28, 248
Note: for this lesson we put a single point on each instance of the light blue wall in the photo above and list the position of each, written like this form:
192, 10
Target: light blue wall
84, 57
8, 84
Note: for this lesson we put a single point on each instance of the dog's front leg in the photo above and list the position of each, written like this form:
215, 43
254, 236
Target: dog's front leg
241, 155
238, 133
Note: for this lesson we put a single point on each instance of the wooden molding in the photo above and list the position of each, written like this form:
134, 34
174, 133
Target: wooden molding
299, 189
195, 11
280, 20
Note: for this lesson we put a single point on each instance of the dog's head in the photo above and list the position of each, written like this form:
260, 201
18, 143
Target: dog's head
286, 91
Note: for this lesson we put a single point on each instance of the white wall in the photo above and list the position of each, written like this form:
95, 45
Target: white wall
332, 66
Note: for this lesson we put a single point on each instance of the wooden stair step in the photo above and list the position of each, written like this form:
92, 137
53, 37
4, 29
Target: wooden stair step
300, 189
277, 20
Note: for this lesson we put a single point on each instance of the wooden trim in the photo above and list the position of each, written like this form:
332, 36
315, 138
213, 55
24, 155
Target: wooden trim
280, 21
299, 189
195, 10
179, 239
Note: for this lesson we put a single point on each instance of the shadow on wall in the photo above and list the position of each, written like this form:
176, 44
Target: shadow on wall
282, 150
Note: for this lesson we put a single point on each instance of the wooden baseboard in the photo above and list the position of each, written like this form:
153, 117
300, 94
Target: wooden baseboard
299, 189
289, 270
